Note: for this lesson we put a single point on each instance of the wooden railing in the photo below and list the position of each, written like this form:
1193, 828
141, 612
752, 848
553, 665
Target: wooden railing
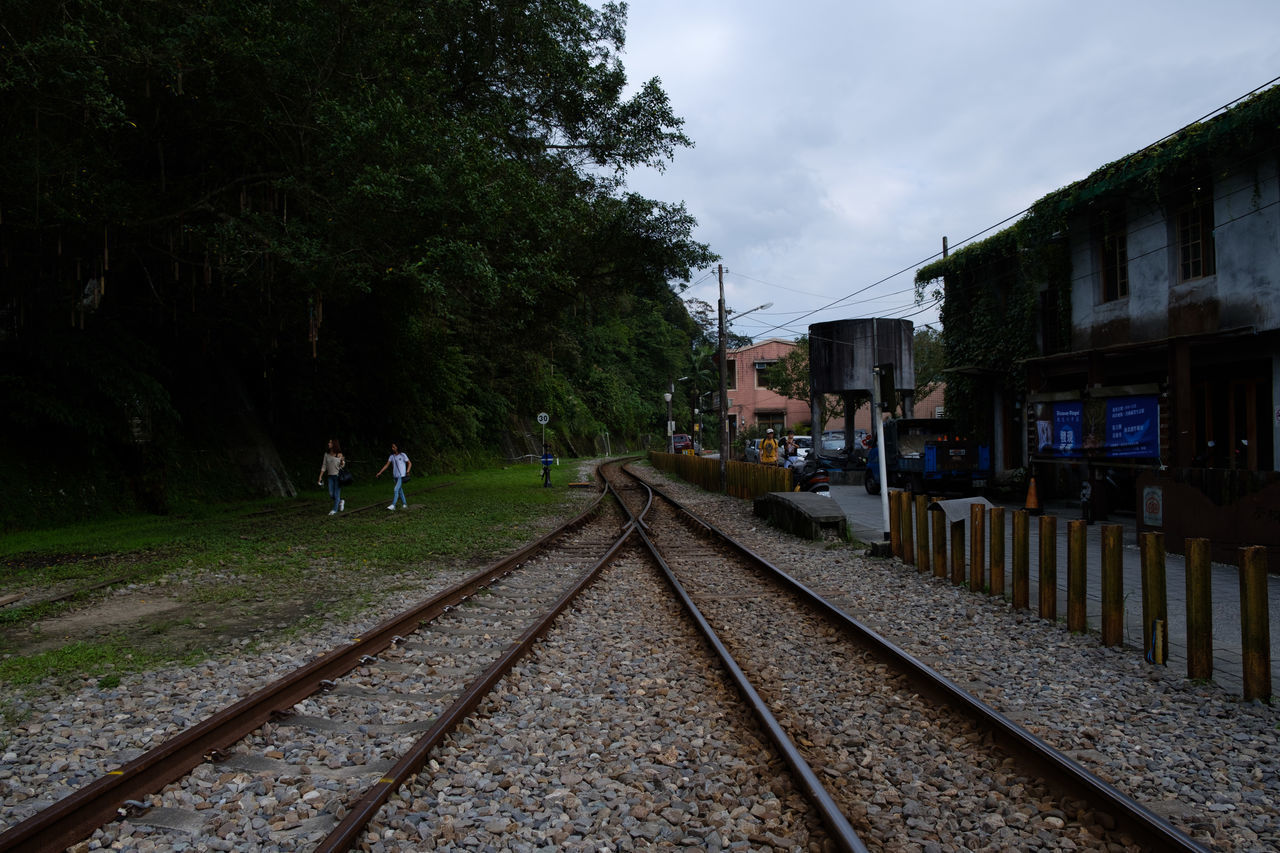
745, 479
924, 544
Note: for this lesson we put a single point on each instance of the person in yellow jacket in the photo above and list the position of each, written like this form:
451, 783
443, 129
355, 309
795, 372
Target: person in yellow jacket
769, 449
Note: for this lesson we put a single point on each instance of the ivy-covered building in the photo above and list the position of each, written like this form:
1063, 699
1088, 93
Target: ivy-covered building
1126, 332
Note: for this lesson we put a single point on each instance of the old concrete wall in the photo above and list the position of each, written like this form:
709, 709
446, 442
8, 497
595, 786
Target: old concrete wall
1244, 290
1247, 234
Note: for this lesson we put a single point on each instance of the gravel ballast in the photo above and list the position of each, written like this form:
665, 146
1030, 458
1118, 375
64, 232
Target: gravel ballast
1192, 752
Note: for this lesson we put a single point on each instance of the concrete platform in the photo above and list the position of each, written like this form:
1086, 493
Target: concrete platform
803, 514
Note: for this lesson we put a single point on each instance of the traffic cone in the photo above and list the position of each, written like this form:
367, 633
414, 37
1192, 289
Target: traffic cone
1033, 500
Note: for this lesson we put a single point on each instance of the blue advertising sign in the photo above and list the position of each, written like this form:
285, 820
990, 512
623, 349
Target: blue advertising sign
1067, 423
1133, 426
1114, 427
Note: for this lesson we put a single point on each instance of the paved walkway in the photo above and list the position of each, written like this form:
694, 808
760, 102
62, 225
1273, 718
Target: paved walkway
866, 523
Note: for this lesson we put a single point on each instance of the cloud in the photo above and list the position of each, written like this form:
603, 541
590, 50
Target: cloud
837, 143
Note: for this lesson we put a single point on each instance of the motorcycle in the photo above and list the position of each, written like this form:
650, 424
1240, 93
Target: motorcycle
810, 477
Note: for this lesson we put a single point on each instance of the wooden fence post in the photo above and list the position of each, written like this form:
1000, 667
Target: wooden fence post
1112, 585
1155, 606
1255, 632
922, 533
939, 520
1077, 576
997, 551
957, 552
905, 504
1021, 559
977, 546
1199, 610
1049, 568
895, 527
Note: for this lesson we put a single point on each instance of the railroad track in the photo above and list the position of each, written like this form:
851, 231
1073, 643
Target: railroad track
903, 754
346, 723
360, 725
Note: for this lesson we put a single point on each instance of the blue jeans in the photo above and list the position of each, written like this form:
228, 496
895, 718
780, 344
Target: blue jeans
399, 492
335, 491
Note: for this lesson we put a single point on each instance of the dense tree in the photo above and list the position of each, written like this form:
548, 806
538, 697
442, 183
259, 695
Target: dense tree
360, 217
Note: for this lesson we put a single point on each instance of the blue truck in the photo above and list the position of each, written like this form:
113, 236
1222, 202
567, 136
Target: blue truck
926, 455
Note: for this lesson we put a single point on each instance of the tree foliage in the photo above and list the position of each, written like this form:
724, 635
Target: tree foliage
376, 218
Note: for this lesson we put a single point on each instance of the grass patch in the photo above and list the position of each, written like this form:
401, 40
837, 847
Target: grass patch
76, 660
242, 569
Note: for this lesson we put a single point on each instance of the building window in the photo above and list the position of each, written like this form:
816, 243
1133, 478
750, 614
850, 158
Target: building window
775, 421
1115, 265
1195, 240
731, 374
762, 369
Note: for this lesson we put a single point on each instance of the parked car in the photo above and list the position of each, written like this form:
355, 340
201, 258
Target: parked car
681, 442
835, 454
751, 452
804, 443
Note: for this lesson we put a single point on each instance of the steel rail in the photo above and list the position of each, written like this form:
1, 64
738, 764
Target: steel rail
843, 834
76, 816
1131, 816
347, 833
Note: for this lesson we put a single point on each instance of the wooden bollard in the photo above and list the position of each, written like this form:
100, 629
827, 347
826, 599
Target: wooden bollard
895, 528
1255, 633
1155, 606
939, 520
977, 546
905, 504
1112, 585
1049, 568
997, 551
1022, 568
1199, 610
922, 533
957, 552
1077, 576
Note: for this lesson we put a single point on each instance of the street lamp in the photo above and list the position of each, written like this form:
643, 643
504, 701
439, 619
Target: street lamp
724, 386
671, 438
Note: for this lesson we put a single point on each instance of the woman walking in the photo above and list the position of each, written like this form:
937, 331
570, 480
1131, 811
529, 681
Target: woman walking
400, 468
330, 466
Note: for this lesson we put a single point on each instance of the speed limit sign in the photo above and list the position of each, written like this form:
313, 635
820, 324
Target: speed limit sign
544, 418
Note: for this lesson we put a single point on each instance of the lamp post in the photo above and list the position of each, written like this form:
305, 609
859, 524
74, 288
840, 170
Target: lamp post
724, 385
671, 439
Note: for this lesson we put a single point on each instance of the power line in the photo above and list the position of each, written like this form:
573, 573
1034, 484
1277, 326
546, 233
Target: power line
844, 299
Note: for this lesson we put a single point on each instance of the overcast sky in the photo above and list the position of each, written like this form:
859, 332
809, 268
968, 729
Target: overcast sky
836, 143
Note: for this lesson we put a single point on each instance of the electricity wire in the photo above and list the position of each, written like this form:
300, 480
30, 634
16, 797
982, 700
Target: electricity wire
845, 299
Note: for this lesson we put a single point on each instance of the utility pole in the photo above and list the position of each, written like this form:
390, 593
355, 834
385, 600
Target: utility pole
723, 408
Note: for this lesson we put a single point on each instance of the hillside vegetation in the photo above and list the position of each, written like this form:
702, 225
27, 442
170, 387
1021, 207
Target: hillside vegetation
235, 227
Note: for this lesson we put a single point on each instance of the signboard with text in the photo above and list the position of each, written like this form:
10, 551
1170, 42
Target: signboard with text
1108, 427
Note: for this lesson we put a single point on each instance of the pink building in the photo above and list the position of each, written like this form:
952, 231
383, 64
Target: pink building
752, 404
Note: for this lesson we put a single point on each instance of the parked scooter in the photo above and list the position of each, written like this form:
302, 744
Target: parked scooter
810, 477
